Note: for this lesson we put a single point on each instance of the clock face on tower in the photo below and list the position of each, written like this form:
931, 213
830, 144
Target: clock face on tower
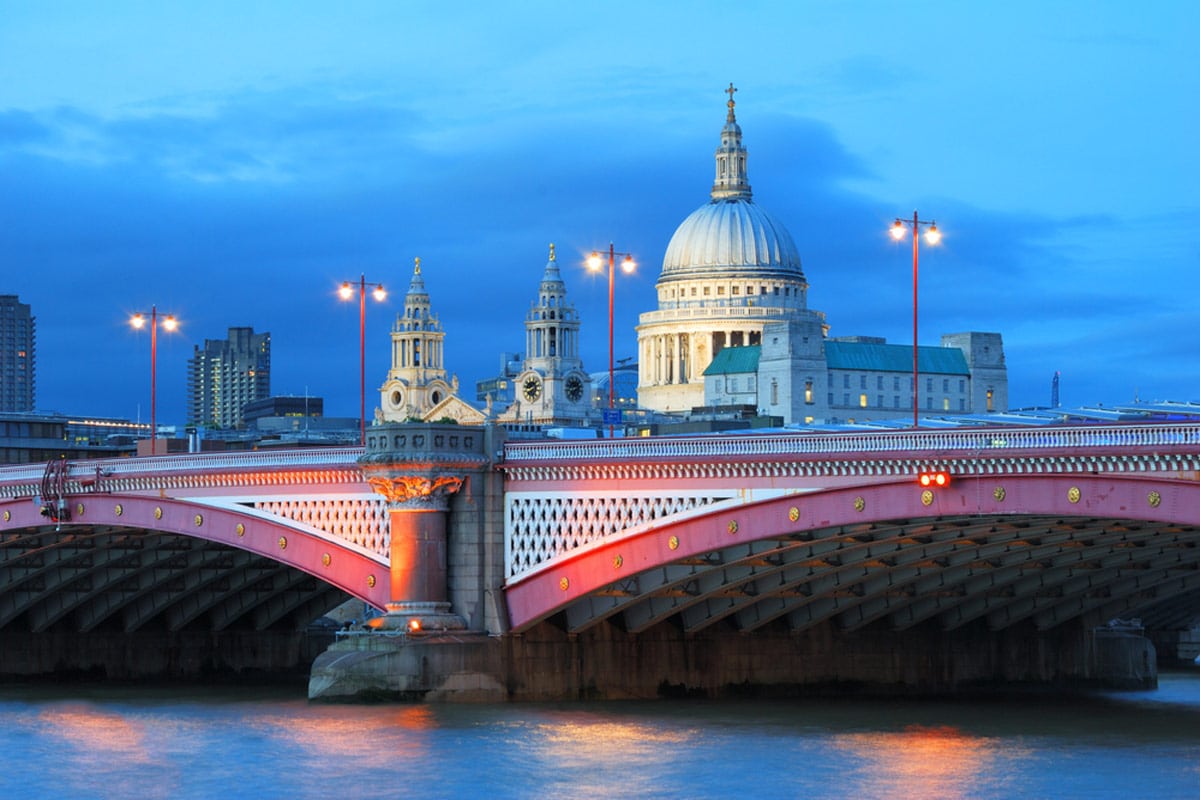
531, 388
574, 388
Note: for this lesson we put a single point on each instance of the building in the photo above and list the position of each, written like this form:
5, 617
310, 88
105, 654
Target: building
30, 438
17, 327
416, 387
552, 388
732, 280
225, 375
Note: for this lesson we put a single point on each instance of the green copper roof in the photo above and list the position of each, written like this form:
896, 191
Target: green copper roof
735, 360
865, 357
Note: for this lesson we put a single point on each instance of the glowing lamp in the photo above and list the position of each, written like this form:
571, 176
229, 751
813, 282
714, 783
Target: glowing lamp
898, 231
594, 263
414, 625
934, 479
933, 235
628, 265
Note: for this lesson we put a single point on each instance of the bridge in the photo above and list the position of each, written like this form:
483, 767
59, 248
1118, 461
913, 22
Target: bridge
743, 547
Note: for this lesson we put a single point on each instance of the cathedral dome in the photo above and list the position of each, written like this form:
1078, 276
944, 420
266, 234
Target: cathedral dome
730, 236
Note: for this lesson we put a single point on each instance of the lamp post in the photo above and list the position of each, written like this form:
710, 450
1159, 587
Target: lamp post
169, 323
932, 236
595, 262
347, 292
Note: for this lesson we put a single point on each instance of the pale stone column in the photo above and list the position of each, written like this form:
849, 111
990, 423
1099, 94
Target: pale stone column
417, 510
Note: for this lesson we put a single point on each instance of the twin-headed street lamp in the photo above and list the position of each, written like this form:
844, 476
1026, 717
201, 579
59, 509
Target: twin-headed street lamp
347, 292
595, 262
169, 323
899, 230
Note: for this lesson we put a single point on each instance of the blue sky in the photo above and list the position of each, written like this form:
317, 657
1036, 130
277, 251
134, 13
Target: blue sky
232, 163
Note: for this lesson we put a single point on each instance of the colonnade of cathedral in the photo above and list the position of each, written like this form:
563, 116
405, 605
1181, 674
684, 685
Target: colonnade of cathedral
681, 357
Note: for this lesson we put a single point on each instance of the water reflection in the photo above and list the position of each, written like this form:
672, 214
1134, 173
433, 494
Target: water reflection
921, 761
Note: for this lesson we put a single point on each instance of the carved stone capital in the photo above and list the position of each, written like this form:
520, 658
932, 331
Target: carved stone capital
417, 491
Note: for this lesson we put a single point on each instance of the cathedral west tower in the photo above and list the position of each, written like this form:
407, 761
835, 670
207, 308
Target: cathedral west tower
729, 270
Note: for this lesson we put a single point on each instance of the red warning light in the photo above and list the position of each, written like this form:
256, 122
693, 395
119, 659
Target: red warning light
934, 479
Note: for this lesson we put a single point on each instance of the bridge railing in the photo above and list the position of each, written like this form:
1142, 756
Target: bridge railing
191, 463
768, 445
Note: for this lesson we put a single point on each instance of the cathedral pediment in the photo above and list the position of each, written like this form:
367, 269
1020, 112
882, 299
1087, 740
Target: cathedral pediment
458, 410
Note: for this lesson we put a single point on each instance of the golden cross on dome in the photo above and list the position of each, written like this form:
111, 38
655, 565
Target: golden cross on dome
730, 92
417, 271
552, 251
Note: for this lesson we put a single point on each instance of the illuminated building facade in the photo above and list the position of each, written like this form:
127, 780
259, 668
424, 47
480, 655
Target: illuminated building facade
17, 327
226, 374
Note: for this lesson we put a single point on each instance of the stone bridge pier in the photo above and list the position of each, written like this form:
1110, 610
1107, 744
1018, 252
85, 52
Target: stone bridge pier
445, 508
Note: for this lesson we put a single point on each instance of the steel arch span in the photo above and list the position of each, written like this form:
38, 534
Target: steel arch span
1003, 548
127, 560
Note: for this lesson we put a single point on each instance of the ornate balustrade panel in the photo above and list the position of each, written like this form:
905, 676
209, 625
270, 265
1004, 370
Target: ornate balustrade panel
540, 526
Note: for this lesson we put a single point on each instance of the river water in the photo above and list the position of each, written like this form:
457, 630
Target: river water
102, 742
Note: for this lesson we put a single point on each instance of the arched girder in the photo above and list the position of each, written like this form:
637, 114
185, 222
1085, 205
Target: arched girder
979, 501
1001, 572
361, 574
186, 586
991, 581
252, 577
147, 579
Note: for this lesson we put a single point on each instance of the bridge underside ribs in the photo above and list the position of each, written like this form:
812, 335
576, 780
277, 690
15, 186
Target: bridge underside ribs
125, 579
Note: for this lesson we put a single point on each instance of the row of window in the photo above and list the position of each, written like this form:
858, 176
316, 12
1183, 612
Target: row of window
777, 291
879, 383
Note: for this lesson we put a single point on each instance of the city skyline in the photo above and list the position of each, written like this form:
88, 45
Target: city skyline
234, 166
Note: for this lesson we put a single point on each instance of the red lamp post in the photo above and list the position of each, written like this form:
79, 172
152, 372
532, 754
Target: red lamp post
595, 262
169, 323
347, 292
932, 236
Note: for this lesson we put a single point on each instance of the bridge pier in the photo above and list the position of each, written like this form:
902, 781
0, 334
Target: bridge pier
417, 510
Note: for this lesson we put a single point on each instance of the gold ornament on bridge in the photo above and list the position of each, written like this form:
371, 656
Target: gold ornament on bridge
199, 520
793, 513
926, 498
240, 529
859, 504
7, 515
564, 584
371, 581
158, 512
999, 494
79, 510
1073, 494
1154, 499
118, 510
617, 561
326, 558
673, 543
283, 543
733, 526
411, 487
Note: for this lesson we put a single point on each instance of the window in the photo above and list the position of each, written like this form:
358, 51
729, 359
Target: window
706, 291
846, 381
862, 381
962, 385
945, 384
733, 385
775, 391
895, 384
945, 404
862, 400
929, 384
879, 382
737, 289
720, 290
808, 391
989, 399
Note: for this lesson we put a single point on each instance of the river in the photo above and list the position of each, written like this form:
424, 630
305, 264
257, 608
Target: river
77, 741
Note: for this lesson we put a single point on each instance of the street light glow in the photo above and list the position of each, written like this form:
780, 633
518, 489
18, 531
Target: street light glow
898, 231
933, 235
628, 265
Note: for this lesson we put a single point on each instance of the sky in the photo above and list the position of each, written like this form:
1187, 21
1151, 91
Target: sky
233, 163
